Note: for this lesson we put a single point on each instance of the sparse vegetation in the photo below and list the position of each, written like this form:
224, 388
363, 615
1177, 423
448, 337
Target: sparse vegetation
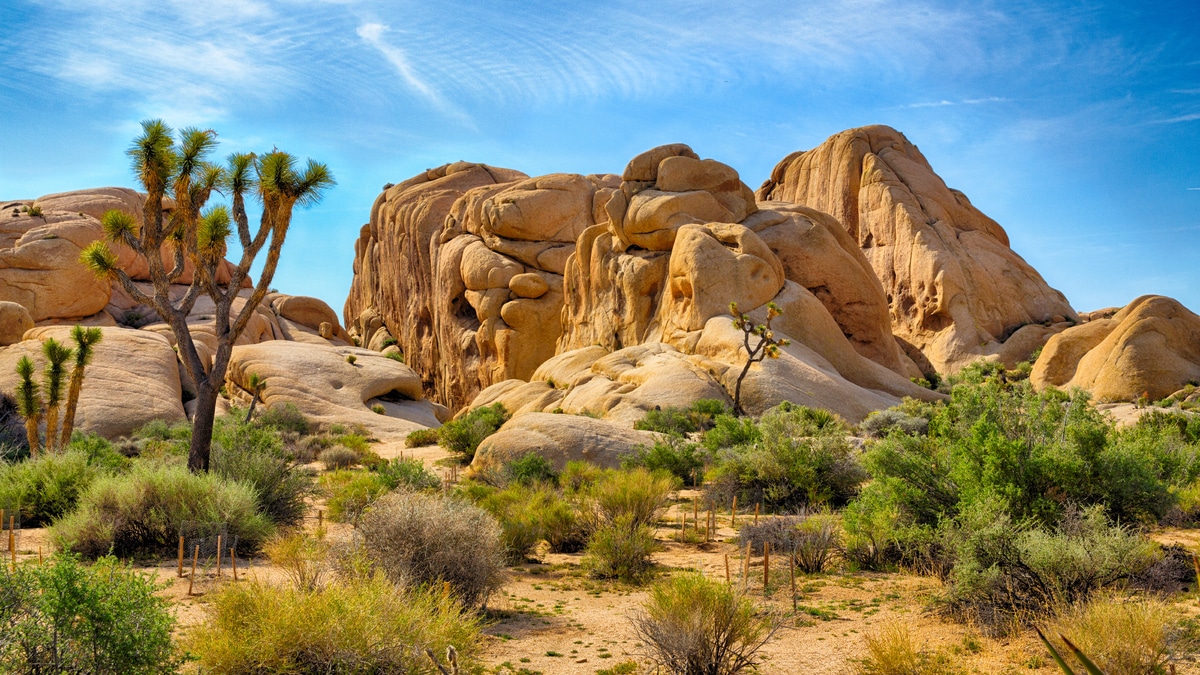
464, 434
1122, 636
621, 549
421, 438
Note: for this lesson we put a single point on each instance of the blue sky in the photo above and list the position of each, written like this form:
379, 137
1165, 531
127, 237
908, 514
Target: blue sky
1076, 125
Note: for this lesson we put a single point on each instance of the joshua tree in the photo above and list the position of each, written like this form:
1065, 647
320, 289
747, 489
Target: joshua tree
766, 348
165, 167
29, 403
85, 340
56, 354
256, 386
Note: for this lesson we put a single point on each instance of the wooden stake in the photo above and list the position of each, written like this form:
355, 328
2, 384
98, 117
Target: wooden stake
320, 517
709, 524
192, 578
746, 568
766, 565
696, 513
733, 514
40, 561
233, 559
218, 556
792, 570
12, 541
180, 573
756, 505
727, 581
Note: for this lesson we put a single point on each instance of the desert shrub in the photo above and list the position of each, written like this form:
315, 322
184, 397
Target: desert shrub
421, 438
363, 626
812, 539
729, 431
285, 417
407, 473
14, 444
47, 487
419, 539
65, 617
803, 459
464, 434
695, 626
100, 452
141, 512
638, 493
338, 457
674, 421
1007, 573
159, 439
621, 549
531, 514
882, 422
303, 557
1131, 636
254, 454
578, 476
890, 651
672, 454
529, 469
348, 494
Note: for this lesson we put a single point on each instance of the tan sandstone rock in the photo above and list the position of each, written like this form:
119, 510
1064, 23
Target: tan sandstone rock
955, 289
1150, 347
327, 388
132, 380
14, 321
560, 439
39, 263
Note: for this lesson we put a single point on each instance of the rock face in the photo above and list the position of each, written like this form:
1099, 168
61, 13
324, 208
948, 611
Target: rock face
607, 296
328, 388
1150, 348
14, 321
560, 439
955, 289
132, 380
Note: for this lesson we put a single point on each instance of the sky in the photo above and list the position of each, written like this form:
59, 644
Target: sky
1076, 125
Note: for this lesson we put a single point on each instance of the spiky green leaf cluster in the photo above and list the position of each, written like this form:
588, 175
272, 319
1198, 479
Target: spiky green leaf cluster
85, 339
119, 227
29, 399
212, 231
57, 354
100, 259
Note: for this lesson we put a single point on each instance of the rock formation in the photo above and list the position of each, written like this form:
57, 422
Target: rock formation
136, 376
559, 438
955, 289
1150, 348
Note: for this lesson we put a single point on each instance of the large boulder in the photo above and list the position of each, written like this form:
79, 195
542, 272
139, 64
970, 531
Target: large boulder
39, 263
334, 385
14, 321
132, 380
560, 439
955, 289
1150, 348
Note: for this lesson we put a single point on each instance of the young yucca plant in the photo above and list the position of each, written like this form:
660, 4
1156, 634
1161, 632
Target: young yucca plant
766, 348
56, 354
1090, 667
255, 384
29, 403
85, 340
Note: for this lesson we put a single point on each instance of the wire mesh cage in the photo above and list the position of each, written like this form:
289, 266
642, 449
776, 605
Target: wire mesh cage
205, 553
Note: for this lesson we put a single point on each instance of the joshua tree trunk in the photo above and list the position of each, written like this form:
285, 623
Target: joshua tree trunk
52, 427
31, 433
68, 422
202, 427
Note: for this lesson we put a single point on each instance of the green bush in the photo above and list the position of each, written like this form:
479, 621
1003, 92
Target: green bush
407, 473
1007, 573
338, 457
99, 451
578, 476
423, 540
674, 421
729, 431
671, 454
529, 469
529, 514
464, 434
621, 549
883, 422
348, 494
421, 438
254, 454
693, 625
803, 459
364, 626
140, 513
102, 619
46, 488
285, 418
637, 493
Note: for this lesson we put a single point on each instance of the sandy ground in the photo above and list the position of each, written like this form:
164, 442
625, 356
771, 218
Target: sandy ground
551, 617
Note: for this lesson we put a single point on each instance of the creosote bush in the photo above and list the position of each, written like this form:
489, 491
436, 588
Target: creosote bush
365, 625
407, 473
1129, 636
338, 457
673, 454
421, 438
139, 513
464, 434
348, 494
254, 453
66, 617
47, 487
621, 550
638, 493
695, 626
423, 540
304, 557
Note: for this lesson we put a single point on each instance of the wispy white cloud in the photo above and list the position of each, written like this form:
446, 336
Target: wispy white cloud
967, 101
1195, 188
1190, 117
374, 35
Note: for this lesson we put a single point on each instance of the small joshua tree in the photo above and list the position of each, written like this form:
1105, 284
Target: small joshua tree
29, 403
255, 385
56, 354
198, 236
85, 340
767, 346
